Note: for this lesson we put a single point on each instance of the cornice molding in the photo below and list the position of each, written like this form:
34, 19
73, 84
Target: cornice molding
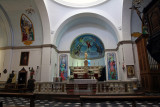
124, 42
63, 51
107, 50
54, 47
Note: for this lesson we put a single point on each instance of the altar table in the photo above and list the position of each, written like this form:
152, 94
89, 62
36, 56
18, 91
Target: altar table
85, 81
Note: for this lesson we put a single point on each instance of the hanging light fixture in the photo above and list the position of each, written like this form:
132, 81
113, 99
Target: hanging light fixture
30, 10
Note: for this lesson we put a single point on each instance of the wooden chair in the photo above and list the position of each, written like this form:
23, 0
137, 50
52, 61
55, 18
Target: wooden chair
22, 78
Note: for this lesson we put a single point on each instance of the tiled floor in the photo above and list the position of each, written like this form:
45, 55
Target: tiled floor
21, 102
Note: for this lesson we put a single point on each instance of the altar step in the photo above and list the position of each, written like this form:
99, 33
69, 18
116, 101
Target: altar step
71, 98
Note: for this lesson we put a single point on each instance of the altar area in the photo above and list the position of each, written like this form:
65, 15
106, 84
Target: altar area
85, 72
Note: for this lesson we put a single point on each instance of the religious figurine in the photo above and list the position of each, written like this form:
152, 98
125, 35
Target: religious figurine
86, 55
12, 78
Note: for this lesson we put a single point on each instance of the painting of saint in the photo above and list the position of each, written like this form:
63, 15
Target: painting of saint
24, 58
27, 29
63, 66
112, 66
130, 71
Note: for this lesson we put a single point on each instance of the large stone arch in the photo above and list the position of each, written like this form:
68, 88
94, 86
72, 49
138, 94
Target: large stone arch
7, 34
61, 26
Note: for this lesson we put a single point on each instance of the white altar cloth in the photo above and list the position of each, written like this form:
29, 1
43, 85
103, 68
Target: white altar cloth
85, 81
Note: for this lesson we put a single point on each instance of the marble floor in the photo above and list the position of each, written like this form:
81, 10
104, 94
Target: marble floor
21, 102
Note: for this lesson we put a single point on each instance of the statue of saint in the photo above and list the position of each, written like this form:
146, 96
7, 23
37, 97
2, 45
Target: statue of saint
86, 55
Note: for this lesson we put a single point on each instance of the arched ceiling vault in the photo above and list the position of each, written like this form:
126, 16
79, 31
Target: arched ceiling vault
83, 18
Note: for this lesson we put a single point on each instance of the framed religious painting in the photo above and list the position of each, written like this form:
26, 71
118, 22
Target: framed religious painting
27, 30
24, 58
130, 71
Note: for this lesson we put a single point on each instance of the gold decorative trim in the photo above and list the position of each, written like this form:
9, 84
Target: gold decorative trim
136, 34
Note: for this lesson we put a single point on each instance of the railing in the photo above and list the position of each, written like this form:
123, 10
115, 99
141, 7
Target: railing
2, 84
154, 66
50, 88
116, 87
106, 87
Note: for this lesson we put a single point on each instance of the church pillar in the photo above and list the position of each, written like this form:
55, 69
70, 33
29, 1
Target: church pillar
46, 64
54, 63
125, 58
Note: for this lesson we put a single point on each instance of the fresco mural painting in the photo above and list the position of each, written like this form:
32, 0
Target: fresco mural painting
112, 66
63, 66
87, 43
27, 30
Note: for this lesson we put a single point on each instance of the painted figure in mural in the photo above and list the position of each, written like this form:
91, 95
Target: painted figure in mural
62, 71
88, 44
112, 68
27, 29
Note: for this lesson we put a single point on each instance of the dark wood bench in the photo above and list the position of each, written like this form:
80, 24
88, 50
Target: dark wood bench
118, 98
24, 95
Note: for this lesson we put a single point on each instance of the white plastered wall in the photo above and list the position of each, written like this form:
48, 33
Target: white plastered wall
62, 13
34, 60
109, 40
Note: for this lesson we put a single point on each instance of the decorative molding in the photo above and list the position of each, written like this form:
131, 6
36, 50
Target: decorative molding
4, 48
54, 47
106, 50
27, 47
46, 45
124, 42
63, 51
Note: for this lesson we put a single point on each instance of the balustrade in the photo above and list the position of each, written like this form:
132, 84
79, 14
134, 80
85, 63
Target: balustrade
115, 87
50, 88
106, 87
